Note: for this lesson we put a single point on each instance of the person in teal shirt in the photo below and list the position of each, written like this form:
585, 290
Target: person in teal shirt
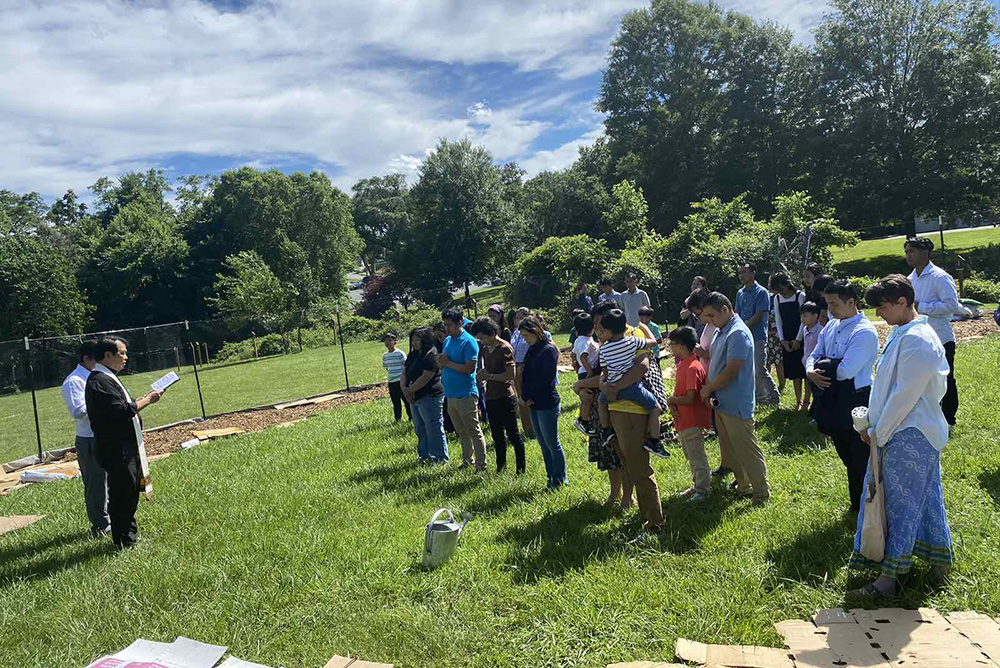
646, 318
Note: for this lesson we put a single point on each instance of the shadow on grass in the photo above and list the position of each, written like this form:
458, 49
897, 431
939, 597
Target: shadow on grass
498, 503
562, 541
685, 523
412, 481
990, 482
790, 432
28, 561
814, 556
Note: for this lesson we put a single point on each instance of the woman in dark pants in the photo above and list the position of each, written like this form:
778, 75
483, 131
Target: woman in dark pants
538, 392
439, 336
496, 371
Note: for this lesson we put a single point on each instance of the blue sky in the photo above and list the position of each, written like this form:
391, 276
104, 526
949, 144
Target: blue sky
353, 88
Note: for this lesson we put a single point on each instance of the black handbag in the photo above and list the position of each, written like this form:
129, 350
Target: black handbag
832, 406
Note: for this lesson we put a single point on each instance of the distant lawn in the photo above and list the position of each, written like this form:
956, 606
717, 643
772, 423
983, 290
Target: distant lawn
226, 387
291, 545
880, 257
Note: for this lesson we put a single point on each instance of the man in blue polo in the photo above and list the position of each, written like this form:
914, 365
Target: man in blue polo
458, 360
731, 379
753, 304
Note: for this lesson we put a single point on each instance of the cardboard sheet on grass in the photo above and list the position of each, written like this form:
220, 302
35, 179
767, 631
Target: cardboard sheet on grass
884, 638
15, 522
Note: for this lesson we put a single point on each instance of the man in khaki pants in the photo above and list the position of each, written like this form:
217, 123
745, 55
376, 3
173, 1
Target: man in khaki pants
458, 361
731, 380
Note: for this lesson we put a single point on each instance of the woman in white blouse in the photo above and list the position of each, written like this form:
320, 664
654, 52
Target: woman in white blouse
909, 428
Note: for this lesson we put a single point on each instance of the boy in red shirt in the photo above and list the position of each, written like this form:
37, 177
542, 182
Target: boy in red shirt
692, 416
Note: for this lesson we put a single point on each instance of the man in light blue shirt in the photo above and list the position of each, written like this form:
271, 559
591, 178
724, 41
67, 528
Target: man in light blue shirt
936, 298
608, 292
732, 380
458, 361
753, 305
851, 338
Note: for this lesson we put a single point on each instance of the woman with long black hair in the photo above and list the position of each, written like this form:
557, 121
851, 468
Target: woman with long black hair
421, 383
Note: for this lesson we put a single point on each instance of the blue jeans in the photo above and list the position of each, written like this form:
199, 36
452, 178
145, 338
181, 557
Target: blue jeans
428, 423
546, 426
637, 393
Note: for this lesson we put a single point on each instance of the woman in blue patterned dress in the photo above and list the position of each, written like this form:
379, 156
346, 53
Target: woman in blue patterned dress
910, 430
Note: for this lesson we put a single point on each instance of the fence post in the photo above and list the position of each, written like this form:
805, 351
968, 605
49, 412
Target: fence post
302, 314
205, 359
343, 353
177, 356
254, 335
34, 401
197, 381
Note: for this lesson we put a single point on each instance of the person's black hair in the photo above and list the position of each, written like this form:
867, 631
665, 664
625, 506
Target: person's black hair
779, 280
716, 300
107, 344
390, 335
534, 325
815, 269
890, 289
819, 285
606, 281
603, 308
438, 327
696, 299
454, 315
578, 311
646, 310
702, 280
751, 266
427, 342
484, 326
920, 243
810, 307
583, 324
685, 336
614, 321
87, 348
843, 289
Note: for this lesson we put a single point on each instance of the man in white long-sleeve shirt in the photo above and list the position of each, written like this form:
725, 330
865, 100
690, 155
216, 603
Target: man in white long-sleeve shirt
95, 480
936, 298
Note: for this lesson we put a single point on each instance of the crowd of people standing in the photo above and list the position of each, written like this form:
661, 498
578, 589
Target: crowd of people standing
503, 370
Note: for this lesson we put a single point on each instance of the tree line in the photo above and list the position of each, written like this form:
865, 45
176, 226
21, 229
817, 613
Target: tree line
892, 112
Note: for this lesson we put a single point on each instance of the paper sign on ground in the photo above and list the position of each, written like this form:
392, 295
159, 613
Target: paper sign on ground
233, 662
181, 653
166, 381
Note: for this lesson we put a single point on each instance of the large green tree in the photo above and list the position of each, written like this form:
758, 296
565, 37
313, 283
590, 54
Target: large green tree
464, 228
299, 224
381, 215
565, 203
39, 295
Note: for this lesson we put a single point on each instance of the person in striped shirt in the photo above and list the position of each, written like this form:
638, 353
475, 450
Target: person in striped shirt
617, 356
393, 361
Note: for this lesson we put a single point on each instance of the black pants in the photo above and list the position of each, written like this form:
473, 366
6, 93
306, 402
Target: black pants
855, 454
449, 428
503, 417
123, 498
398, 401
949, 404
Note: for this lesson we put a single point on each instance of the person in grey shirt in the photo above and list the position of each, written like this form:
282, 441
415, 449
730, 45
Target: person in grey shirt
95, 480
632, 300
608, 292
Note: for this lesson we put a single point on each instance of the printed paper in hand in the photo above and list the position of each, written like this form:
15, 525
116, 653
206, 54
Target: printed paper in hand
166, 381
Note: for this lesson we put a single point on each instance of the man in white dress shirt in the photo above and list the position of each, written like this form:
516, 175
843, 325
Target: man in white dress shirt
936, 298
95, 480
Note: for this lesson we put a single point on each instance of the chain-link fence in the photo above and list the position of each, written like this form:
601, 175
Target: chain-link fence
222, 368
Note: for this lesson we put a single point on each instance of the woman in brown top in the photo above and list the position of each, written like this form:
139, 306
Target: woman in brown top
496, 369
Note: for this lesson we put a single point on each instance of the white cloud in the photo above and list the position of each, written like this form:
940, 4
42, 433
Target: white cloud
801, 16
562, 156
96, 87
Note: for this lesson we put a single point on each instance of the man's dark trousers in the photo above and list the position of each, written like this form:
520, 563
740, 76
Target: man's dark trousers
398, 401
123, 497
855, 454
949, 404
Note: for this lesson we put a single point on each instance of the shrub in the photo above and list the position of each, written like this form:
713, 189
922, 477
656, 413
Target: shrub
359, 328
553, 270
982, 290
272, 344
861, 284
235, 351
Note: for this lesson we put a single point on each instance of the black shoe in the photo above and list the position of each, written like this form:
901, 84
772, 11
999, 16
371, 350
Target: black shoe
721, 472
654, 447
607, 436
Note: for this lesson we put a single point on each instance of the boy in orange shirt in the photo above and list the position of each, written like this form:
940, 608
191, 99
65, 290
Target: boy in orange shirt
691, 415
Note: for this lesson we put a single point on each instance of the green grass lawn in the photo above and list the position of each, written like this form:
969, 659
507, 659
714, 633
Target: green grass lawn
226, 387
883, 256
291, 545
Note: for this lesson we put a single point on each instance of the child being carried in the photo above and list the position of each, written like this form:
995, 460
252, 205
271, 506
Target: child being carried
617, 356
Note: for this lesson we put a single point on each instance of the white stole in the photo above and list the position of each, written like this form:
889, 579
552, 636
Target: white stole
145, 482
